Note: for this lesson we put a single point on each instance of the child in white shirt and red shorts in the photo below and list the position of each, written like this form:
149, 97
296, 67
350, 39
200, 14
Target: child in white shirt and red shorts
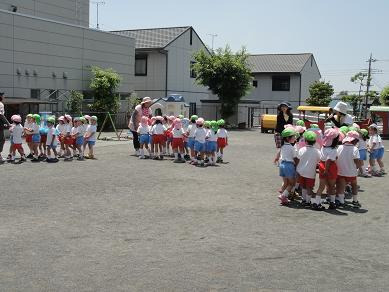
222, 140
178, 141
159, 139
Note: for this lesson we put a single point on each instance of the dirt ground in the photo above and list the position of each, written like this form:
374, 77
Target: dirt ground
123, 224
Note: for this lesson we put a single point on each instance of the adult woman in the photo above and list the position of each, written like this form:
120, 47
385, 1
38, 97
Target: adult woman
284, 117
3, 124
141, 110
340, 117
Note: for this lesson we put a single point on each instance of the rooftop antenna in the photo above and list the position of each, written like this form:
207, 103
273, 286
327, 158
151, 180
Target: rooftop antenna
213, 36
98, 3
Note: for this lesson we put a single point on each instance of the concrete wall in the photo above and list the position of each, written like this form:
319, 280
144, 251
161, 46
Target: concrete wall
29, 44
309, 75
68, 11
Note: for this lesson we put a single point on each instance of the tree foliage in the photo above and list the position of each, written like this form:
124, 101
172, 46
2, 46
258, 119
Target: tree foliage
320, 93
354, 100
384, 97
104, 83
74, 102
226, 74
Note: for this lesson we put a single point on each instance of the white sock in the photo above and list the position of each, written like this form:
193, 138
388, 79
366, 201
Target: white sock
355, 198
176, 155
313, 201
285, 193
304, 194
341, 198
332, 198
308, 198
318, 200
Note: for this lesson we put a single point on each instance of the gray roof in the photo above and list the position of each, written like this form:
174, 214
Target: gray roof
153, 38
278, 63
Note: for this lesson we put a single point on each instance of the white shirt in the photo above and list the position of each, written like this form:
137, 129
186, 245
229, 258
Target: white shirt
1, 108
200, 135
158, 129
35, 128
78, 131
191, 130
212, 136
362, 145
309, 157
222, 133
17, 132
328, 153
143, 130
91, 132
178, 133
51, 131
346, 165
377, 140
288, 153
27, 126
348, 120
61, 129
68, 128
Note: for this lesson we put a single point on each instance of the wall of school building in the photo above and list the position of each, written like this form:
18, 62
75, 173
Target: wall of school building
68, 11
47, 55
309, 75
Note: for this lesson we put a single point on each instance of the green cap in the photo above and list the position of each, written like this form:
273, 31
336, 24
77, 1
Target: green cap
194, 117
180, 117
207, 124
82, 119
30, 116
344, 129
310, 136
314, 126
221, 122
51, 120
353, 129
37, 118
300, 123
364, 132
93, 118
214, 125
288, 132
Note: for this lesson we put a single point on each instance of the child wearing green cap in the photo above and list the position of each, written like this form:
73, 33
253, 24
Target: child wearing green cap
222, 140
308, 157
362, 146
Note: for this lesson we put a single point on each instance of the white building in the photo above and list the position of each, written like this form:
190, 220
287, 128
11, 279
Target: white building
276, 78
163, 63
47, 49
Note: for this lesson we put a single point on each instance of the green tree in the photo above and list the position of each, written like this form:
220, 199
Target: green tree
226, 74
104, 83
354, 100
74, 102
320, 93
384, 97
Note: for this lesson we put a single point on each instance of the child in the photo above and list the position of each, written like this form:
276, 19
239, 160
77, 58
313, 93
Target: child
376, 150
159, 139
178, 141
199, 137
144, 136
42, 144
61, 130
28, 133
308, 158
68, 140
207, 127
190, 133
362, 146
288, 157
36, 137
328, 170
169, 136
78, 138
222, 140
152, 123
17, 133
185, 125
212, 143
90, 136
348, 164
51, 142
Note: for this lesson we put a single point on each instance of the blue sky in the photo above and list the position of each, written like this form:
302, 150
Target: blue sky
340, 33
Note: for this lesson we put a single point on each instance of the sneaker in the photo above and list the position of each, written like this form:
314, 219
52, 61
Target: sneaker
382, 171
156, 158
284, 200
376, 174
332, 206
187, 157
317, 207
80, 158
356, 205
176, 161
141, 157
35, 160
23, 159
30, 156
218, 160
68, 159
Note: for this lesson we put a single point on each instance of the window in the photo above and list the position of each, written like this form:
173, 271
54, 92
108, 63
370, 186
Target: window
281, 83
141, 65
192, 109
192, 71
255, 83
191, 37
53, 94
35, 93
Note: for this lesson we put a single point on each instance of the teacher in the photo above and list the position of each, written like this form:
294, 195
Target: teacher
3, 124
141, 110
341, 117
284, 117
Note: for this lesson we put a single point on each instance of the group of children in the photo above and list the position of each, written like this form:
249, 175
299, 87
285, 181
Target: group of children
338, 155
72, 135
200, 142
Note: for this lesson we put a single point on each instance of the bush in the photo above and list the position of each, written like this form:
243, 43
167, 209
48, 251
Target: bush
320, 94
384, 97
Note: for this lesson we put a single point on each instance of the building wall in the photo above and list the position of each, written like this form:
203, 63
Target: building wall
29, 44
266, 95
309, 75
68, 11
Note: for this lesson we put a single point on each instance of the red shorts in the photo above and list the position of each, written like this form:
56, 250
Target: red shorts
68, 140
61, 138
348, 179
221, 142
177, 143
17, 147
306, 183
28, 138
332, 172
43, 138
159, 139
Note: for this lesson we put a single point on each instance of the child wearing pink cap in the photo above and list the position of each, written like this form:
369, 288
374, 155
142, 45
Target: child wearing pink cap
61, 130
159, 139
178, 141
199, 147
348, 163
144, 136
28, 133
17, 133
328, 170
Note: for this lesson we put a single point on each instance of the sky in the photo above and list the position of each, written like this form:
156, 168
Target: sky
340, 33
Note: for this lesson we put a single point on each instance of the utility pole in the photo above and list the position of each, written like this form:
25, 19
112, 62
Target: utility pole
213, 36
371, 60
98, 3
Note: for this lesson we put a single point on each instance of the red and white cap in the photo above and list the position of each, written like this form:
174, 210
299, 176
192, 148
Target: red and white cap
200, 121
16, 118
329, 136
351, 136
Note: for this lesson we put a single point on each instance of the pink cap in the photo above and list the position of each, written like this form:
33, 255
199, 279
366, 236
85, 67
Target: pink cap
172, 118
68, 117
61, 118
329, 136
351, 136
159, 118
87, 117
200, 121
300, 129
16, 118
288, 126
